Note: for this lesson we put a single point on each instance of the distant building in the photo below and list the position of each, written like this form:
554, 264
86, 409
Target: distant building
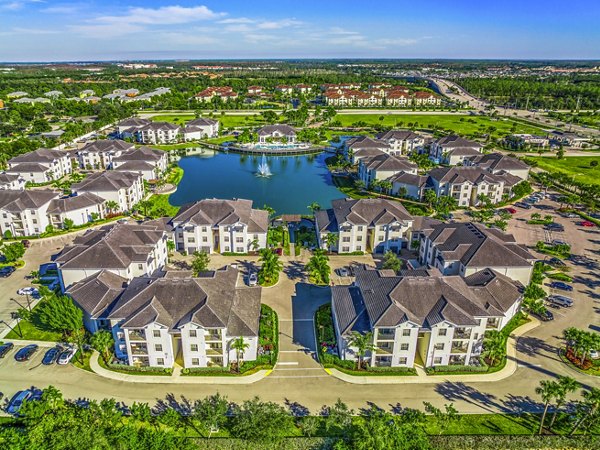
24, 213
12, 182
41, 165
452, 150
124, 188
99, 154
277, 133
158, 133
149, 162
223, 92
200, 128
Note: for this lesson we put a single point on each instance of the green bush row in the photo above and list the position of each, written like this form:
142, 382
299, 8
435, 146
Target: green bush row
143, 369
233, 254
436, 370
514, 442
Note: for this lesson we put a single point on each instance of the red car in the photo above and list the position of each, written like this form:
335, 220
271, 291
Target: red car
586, 223
511, 210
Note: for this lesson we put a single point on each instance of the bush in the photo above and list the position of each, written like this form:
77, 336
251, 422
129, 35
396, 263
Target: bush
144, 369
515, 442
351, 253
208, 371
560, 277
457, 369
233, 254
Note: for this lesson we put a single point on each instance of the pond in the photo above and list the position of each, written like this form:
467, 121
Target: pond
295, 181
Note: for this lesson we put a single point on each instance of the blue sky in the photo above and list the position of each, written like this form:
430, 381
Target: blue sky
49, 30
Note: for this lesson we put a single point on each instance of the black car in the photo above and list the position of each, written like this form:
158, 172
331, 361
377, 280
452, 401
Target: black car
555, 262
5, 348
26, 352
545, 315
554, 227
523, 205
7, 271
51, 356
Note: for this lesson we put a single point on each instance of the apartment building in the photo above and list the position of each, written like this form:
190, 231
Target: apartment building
284, 89
40, 166
222, 92
402, 142
128, 127
215, 225
200, 128
426, 98
124, 188
382, 167
24, 213
99, 154
150, 162
158, 133
12, 182
421, 317
80, 209
409, 184
159, 321
126, 250
499, 164
280, 133
360, 147
466, 248
365, 225
466, 184
453, 150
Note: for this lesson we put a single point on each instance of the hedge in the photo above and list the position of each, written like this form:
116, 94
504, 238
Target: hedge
514, 442
288, 443
439, 370
140, 370
357, 253
233, 254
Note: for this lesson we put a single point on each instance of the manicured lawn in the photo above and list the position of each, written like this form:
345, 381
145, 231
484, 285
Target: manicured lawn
486, 424
227, 121
161, 202
33, 333
461, 124
577, 167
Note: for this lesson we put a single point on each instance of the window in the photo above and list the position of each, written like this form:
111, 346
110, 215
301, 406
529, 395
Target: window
191, 240
346, 239
193, 333
404, 347
437, 360
239, 240
359, 238
358, 248
381, 238
195, 361
158, 347
476, 336
204, 239
439, 346
156, 333
255, 237
160, 361
402, 360
239, 249
226, 238
442, 332
34, 220
359, 228
406, 332
227, 248
345, 249
194, 347
140, 266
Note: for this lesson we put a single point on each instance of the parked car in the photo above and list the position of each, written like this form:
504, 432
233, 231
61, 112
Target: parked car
559, 242
559, 300
51, 356
26, 243
544, 316
6, 271
554, 227
5, 348
343, 272
561, 285
26, 352
523, 205
511, 210
28, 291
594, 354
252, 279
586, 224
17, 401
555, 262
66, 356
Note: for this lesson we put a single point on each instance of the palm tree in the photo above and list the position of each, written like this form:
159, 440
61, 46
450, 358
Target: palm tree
363, 344
566, 385
314, 206
330, 240
430, 197
240, 346
102, 341
271, 266
589, 407
494, 346
144, 205
548, 390
318, 267
112, 206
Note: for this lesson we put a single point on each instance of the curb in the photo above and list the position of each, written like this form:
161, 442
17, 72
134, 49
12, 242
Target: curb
164, 379
509, 369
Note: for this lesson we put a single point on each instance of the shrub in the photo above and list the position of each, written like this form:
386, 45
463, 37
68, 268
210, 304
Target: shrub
144, 369
457, 368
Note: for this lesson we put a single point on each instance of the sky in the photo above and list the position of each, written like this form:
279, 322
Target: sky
93, 30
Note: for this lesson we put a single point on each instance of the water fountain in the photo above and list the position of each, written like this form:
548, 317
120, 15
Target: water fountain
263, 168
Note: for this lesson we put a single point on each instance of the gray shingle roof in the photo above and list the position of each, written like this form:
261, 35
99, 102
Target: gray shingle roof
73, 203
215, 212
202, 122
106, 181
141, 154
388, 163
172, 301
454, 141
41, 155
110, 247
369, 211
399, 135
365, 142
497, 161
18, 201
28, 167
268, 130
458, 175
98, 292
106, 145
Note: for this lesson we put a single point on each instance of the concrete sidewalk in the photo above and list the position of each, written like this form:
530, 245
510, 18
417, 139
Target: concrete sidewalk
160, 379
505, 372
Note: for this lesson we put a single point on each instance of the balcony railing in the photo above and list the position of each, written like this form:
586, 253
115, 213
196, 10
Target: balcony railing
458, 349
492, 324
136, 336
462, 334
214, 351
139, 350
212, 337
385, 336
384, 350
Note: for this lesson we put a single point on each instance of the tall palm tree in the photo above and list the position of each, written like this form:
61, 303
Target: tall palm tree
318, 267
566, 386
548, 390
240, 346
330, 240
112, 206
494, 346
589, 407
271, 266
363, 344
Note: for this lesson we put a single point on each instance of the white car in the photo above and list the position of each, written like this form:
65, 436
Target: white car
594, 354
28, 291
66, 356
343, 271
252, 279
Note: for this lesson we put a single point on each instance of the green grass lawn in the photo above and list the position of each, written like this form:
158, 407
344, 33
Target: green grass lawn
486, 424
33, 333
577, 167
227, 120
461, 124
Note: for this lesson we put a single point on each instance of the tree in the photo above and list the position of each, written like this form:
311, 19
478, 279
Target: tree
211, 413
430, 197
240, 346
318, 267
566, 385
112, 206
314, 207
391, 261
200, 263
548, 390
363, 344
144, 205
68, 224
13, 252
259, 421
443, 418
269, 210
330, 240
59, 313
102, 341
494, 346
587, 410
270, 268
338, 417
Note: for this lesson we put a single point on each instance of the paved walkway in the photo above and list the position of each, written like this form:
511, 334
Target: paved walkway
422, 378
177, 378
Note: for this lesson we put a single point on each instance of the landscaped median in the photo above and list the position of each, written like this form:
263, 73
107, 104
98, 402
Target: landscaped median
504, 365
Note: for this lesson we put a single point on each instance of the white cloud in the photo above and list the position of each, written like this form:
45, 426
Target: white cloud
237, 20
63, 9
20, 30
12, 6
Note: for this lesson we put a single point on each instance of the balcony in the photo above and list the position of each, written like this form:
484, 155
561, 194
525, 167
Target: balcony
214, 351
139, 350
211, 337
492, 324
459, 349
384, 350
462, 334
385, 336
457, 360
137, 336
